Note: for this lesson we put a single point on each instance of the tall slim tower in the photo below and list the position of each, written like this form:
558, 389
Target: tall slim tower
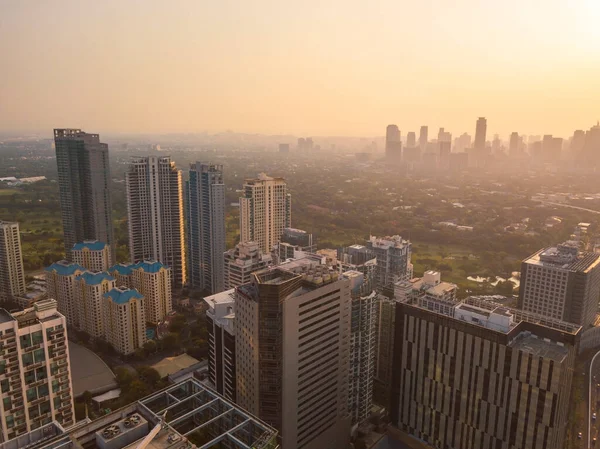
423, 138
265, 210
393, 145
513, 147
12, 276
206, 226
155, 214
480, 130
411, 139
84, 185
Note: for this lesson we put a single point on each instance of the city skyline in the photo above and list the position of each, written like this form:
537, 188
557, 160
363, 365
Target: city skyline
247, 80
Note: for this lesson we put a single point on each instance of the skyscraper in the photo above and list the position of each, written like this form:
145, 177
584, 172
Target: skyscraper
411, 139
480, 131
84, 186
12, 276
561, 282
423, 138
124, 319
513, 148
393, 260
292, 327
155, 214
60, 285
36, 371
393, 145
92, 255
206, 226
480, 375
265, 210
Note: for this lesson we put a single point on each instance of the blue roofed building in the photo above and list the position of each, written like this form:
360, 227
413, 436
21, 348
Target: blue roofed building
125, 319
92, 254
60, 285
89, 291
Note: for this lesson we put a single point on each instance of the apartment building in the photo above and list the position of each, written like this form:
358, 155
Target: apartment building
241, 261
92, 254
125, 319
90, 289
60, 285
12, 275
393, 259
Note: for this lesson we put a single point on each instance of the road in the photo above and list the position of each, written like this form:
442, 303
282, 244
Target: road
594, 401
550, 203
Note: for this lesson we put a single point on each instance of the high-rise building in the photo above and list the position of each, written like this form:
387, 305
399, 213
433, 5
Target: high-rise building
480, 132
481, 375
220, 317
462, 142
12, 275
393, 145
513, 148
444, 154
284, 147
265, 210
292, 326
84, 186
299, 237
393, 259
561, 282
35, 370
60, 285
577, 142
241, 261
90, 289
206, 226
423, 138
155, 214
363, 345
152, 280
125, 319
411, 139
92, 255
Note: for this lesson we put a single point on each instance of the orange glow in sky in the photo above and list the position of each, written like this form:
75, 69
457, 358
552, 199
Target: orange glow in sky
329, 67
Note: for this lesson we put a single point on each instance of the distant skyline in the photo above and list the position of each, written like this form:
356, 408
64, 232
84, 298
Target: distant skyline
320, 68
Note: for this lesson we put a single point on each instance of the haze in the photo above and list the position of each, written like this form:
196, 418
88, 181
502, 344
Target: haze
312, 67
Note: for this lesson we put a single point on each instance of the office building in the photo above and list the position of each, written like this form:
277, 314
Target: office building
577, 142
241, 261
423, 138
411, 139
363, 346
12, 275
265, 210
563, 283
514, 144
155, 214
203, 419
60, 285
300, 238
462, 142
480, 133
220, 321
124, 319
206, 226
384, 356
393, 259
393, 144
92, 255
482, 375
152, 280
84, 188
292, 326
35, 372
445, 150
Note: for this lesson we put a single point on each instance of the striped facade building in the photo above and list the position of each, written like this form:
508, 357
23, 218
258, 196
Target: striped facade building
482, 376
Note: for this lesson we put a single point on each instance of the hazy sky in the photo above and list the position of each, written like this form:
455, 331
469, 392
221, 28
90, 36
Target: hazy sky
337, 67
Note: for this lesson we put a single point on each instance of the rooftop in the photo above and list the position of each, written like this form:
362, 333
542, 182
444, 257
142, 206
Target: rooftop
65, 268
566, 256
539, 347
95, 278
148, 266
225, 297
123, 295
92, 245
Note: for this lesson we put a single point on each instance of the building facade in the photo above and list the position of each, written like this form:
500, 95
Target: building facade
241, 261
35, 372
84, 187
292, 326
393, 259
125, 319
265, 210
90, 289
155, 214
152, 280
482, 376
563, 283
206, 226
220, 317
393, 144
92, 254
12, 274
60, 285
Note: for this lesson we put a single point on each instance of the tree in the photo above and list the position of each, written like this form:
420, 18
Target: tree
86, 397
139, 354
150, 346
170, 341
124, 377
149, 374
177, 323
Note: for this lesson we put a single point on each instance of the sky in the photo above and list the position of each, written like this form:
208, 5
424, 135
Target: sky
311, 67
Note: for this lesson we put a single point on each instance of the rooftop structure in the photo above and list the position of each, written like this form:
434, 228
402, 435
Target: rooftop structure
186, 415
